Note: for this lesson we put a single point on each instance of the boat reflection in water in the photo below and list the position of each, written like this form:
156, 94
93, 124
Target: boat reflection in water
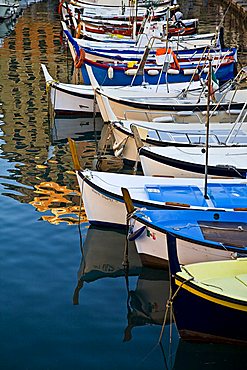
102, 257
147, 303
103, 253
83, 128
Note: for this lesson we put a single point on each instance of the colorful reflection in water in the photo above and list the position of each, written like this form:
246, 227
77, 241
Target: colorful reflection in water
59, 200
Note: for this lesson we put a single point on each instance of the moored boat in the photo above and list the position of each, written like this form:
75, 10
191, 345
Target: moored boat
186, 101
201, 235
104, 203
223, 161
171, 134
209, 299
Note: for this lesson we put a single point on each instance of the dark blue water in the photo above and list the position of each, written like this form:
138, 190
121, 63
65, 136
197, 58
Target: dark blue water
65, 302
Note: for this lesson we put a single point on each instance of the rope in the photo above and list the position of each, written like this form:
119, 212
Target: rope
169, 308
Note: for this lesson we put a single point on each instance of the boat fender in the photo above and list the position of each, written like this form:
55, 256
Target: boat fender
153, 72
136, 234
117, 153
119, 144
172, 71
163, 119
233, 111
130, 72
212, 113
190, 71
79, 59
110, 73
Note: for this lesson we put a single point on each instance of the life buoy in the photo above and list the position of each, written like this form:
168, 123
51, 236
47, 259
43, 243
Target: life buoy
79, 60
163, 51
78, 31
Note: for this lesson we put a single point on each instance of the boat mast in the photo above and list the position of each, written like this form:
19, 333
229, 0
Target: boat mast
135, 19
207, 129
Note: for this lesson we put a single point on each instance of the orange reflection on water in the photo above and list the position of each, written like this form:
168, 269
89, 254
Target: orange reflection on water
54, 198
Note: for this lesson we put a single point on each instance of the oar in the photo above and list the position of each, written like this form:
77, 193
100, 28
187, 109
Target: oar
74, 154
130, 209
128, 202
139, 144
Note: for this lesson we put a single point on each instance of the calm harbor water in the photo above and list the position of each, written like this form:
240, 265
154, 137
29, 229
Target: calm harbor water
65, 302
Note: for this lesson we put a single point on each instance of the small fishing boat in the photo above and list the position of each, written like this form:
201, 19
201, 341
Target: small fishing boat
223, 161
171, 134
122, 44
185, 103
210, 235
104, 203
69, 99
88, 29
118, 57
123, 74
107, 13
78, 100
209, 299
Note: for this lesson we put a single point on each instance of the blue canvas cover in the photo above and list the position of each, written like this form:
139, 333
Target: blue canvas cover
228, 195
185, 194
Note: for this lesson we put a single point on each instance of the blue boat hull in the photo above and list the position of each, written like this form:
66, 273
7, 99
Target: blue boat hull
200, 319
120, 78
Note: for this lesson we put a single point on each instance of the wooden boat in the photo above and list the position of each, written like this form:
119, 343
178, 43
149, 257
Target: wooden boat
171, 134
124, 74
126, 29
109, 74
95, 31
211, 235
209, 299
155, 104
118, 57
78, 100
117, 4
107, 13
224, 161
191, 42
104, 204
69, 99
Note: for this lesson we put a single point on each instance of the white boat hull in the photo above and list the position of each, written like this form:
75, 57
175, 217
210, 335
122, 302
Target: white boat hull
101, 209
227, 161
151, 167
103, 200
69, 99
67, 102
153, 251
123, 110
